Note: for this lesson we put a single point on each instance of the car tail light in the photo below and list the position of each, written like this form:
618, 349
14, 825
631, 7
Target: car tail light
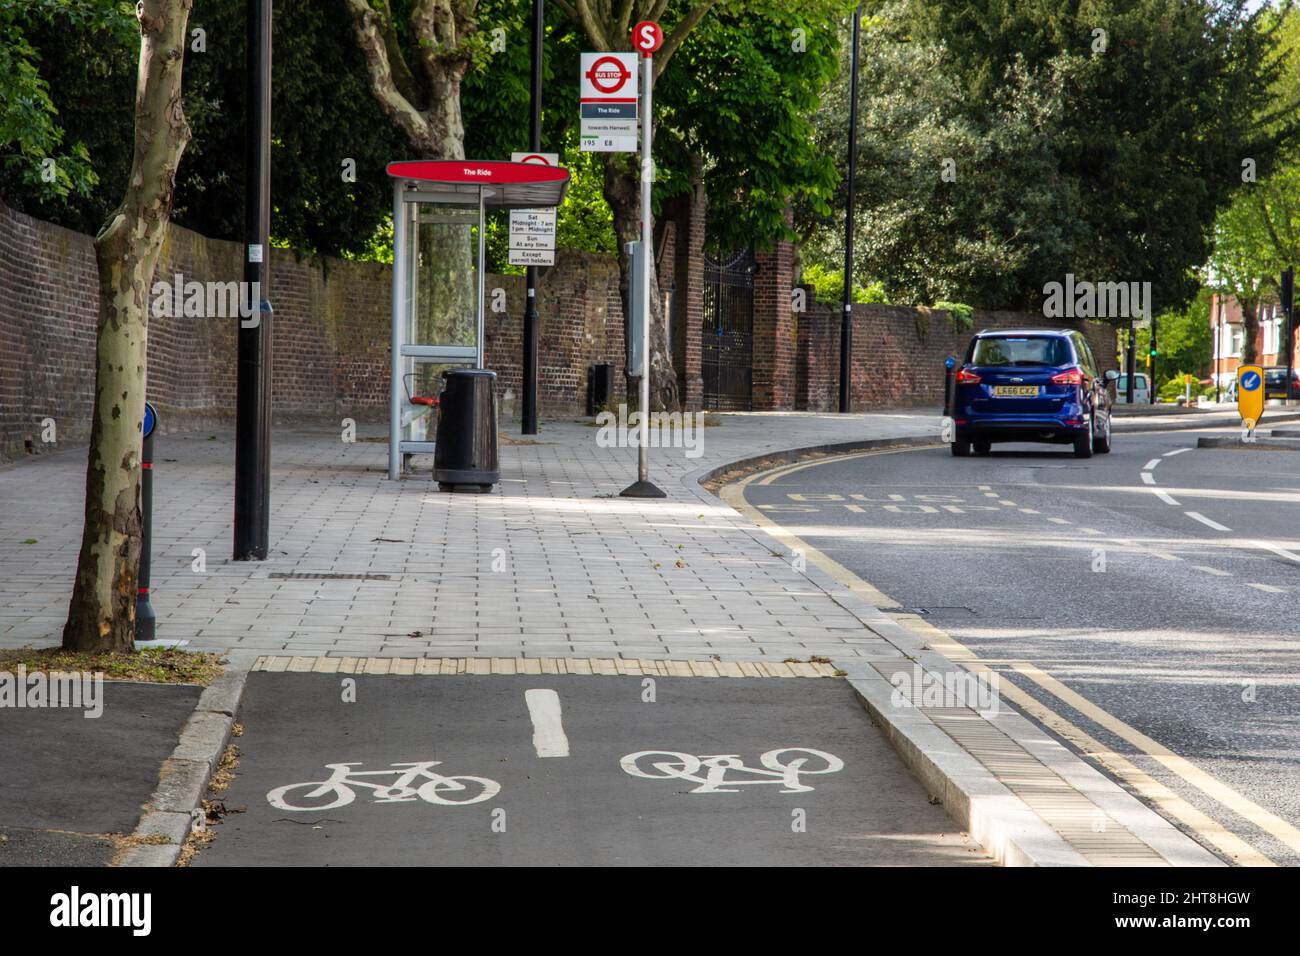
967, 377
1071, 377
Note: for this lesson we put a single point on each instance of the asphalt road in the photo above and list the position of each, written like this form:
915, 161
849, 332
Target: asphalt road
1183, 626
67, 782
557, 780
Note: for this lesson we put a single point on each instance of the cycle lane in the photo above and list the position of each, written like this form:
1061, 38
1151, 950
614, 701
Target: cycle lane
583, 808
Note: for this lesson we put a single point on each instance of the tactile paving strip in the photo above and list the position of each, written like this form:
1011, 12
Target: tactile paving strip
612, 667
1098, 837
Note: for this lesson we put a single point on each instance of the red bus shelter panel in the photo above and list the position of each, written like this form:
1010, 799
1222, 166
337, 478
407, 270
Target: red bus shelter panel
505, 185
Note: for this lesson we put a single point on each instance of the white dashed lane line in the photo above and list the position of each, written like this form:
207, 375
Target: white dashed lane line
1215, 571
549, 739
1151, 464
1209, 523
1148, 478
1268, 588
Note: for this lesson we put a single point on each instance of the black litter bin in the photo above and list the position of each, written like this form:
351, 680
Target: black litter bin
465, 454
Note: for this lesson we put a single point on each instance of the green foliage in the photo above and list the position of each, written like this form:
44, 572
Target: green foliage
1258, 235
740, 93
1110, 165
49, 158
828, 285
963, 316
1185, 340
322, 113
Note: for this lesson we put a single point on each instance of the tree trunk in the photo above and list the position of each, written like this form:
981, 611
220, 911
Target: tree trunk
1249, 329
101, 613
623, 193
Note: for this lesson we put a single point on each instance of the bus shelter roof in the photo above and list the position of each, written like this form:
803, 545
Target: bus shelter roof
503, 185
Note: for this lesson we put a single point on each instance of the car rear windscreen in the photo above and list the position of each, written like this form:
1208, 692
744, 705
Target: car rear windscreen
1026, 350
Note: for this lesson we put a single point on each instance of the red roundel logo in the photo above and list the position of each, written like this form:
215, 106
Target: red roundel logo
608, 74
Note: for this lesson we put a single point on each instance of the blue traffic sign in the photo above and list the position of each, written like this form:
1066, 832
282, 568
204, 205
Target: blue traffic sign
150, 419
1250, 381
950, 362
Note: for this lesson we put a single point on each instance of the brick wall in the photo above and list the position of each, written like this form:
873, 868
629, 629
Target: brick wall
775, 333
898, 352
330, 334
331, 330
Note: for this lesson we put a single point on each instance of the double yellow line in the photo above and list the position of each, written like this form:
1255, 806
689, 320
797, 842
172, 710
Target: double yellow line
1211, 831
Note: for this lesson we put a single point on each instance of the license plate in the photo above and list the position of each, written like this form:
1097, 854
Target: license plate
1015, 391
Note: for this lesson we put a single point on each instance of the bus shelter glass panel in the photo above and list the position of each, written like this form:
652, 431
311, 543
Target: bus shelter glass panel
441, 330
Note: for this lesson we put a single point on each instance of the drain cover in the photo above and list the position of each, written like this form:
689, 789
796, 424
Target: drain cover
327, 576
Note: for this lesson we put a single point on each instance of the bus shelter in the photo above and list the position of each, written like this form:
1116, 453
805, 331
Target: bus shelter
439, 270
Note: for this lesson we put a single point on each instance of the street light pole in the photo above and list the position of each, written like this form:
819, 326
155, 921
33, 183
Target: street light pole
530, 308
1288, 311
846, 317
253, 374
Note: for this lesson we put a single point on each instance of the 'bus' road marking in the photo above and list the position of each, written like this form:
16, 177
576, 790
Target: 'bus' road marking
548, 730
1197, 516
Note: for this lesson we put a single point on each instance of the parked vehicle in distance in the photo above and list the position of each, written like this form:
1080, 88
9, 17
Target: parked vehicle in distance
1031, 385
1274, 383
1141, 389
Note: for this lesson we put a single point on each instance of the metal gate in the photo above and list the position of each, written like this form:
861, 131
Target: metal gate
727, 338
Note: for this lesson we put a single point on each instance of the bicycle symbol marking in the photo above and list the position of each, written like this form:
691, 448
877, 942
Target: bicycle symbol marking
339, 790
776, 768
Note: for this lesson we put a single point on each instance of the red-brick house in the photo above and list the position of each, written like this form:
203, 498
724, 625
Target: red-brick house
1226, 321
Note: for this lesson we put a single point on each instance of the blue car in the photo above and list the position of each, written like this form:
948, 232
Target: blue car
1031, 385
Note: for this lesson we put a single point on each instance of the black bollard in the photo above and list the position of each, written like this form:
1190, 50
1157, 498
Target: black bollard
145, 619
949, 364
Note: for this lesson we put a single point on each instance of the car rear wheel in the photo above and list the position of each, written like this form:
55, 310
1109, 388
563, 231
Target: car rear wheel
1083, 444
961, 449
982, 447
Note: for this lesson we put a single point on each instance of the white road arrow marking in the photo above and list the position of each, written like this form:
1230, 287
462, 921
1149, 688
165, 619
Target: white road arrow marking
548, 729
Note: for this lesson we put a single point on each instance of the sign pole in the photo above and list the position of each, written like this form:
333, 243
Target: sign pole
530, 307
647, 250
846, 317
253, 375
647, 37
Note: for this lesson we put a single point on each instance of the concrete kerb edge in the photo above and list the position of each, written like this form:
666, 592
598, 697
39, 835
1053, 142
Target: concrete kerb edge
789, 456
999, 821
185, 775
1182, 424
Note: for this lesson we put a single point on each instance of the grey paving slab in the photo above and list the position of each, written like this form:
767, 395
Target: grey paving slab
574, 563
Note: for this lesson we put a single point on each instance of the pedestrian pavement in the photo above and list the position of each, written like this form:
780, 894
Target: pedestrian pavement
551, 563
